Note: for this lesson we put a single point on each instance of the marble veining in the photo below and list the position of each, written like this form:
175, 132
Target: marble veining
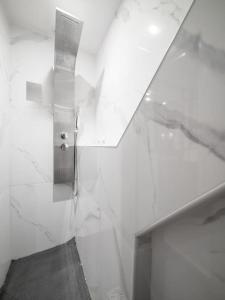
202, 134
27, 36
116, 294
4, 66
220, 213
217, 251
123, 14
16, 207
28, 156
171, 7
31, 151
219, 277
108, 209
4, 72
13, 74
141, 129
156, 23
208, 54
172, 153
4, 125
176, 246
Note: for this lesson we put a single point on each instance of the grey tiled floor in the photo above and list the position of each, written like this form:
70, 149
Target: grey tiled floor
54, 274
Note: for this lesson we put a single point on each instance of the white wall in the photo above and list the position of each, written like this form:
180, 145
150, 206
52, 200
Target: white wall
132, 51
38, 223
4, 149
172, 152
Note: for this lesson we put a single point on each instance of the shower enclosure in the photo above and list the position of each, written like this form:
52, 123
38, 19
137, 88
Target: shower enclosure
112, 150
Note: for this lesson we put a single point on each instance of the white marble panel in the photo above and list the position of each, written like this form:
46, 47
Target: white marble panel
31, 146
38, 223
5, 247
131, 52
172, 152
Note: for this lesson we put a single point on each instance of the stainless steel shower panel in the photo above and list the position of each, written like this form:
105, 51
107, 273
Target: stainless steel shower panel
63, 147
67, 38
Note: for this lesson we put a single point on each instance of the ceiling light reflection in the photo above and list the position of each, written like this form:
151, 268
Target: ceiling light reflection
148, 99
147, 96
154, 30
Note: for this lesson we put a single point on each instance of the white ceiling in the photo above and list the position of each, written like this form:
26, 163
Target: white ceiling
39, 15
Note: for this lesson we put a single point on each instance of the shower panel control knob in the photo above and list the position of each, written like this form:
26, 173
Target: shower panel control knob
64, 135
64, 147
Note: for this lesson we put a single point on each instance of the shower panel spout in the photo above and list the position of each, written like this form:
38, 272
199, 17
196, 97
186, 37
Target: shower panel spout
67, 39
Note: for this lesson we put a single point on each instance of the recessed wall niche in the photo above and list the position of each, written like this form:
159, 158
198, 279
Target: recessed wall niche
34, 92
182, 257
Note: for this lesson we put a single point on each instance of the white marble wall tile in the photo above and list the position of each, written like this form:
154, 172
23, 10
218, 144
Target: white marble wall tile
38, 223
132, 51
31, 146
172, 152
5, 247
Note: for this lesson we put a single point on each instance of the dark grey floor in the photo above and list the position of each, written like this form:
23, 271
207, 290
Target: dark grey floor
54, 274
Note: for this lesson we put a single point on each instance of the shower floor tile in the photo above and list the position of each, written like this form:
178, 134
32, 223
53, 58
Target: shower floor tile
53, 274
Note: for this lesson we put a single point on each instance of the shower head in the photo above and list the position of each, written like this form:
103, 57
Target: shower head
67, 40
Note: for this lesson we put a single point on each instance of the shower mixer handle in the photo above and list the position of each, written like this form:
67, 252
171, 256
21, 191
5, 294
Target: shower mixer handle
64, 135
64, 147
